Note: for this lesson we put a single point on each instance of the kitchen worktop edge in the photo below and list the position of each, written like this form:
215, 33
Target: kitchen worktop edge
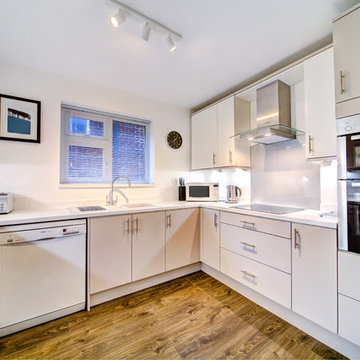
309, 217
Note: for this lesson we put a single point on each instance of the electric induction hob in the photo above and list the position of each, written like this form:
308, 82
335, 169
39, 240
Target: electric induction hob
272, 209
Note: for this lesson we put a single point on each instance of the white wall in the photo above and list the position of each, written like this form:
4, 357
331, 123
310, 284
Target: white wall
31, 171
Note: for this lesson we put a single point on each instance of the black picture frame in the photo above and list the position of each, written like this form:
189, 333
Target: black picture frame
20, 119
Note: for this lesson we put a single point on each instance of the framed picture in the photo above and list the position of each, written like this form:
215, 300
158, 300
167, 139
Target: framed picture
19, 119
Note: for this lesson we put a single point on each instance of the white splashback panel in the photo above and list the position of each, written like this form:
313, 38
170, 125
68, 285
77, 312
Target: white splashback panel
280, 175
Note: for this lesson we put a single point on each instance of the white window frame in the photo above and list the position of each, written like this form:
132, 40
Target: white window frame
104, 142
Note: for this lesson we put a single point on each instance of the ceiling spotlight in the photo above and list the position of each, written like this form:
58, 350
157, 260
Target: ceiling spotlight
171, 43
146, 31
118, 19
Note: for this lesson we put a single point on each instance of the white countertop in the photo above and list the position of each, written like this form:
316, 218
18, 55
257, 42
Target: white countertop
309, 217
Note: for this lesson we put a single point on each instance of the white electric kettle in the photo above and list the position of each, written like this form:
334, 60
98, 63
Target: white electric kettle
233, 193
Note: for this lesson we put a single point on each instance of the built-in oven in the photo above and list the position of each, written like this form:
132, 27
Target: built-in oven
348, 145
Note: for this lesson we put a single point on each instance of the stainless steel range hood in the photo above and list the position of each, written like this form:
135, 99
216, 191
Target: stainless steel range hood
273, 115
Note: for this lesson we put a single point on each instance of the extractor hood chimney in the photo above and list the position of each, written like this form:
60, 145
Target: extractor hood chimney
273, 115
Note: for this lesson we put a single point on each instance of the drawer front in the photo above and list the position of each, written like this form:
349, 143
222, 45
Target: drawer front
349, 319
269, 282
269, 226
349, 270
268, 249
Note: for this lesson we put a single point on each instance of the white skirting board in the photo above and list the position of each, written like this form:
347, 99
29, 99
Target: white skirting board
327, 337
126, 289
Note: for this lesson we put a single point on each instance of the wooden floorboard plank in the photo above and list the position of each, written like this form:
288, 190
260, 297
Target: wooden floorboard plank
192, 317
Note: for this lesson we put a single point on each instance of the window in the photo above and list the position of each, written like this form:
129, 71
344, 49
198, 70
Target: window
97, 146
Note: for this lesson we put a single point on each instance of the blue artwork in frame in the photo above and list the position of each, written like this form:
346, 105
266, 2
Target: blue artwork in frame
19, 119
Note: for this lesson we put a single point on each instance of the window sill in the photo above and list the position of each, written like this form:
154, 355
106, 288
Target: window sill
103, 186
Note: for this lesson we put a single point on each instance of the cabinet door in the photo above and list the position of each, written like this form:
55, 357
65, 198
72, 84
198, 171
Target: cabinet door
314, 280
320, 120
110, 252
204, 139
346, 37
148, 240
182, 238
225, 129
210, 238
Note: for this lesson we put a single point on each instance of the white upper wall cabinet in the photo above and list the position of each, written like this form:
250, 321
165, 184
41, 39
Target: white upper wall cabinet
204, 138
346, 37
212, 129
319, 91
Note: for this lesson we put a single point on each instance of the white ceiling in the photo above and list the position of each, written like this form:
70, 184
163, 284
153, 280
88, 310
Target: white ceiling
225, 42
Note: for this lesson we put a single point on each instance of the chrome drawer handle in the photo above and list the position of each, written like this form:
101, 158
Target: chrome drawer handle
248, 245
248, 274
248, 224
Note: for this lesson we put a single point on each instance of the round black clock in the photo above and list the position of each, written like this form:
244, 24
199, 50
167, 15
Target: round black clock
174, 139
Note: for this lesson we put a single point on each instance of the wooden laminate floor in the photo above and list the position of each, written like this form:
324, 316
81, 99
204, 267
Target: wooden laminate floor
193, 317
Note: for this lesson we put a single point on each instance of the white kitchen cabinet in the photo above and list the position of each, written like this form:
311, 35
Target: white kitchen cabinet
349, 296
265, 248
110, 252
204, 138
212, 129
349, 319
266, 280
233, 118
314, 274
148, 244
182, 238
320, 119
210, 238
349, 272
346, 38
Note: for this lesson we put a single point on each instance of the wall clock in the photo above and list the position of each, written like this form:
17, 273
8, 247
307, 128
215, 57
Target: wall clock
174, 139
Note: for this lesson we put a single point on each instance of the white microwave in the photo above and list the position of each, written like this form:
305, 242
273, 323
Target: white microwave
202, 192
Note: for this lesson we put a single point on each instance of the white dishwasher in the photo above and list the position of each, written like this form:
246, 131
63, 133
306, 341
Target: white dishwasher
42, 273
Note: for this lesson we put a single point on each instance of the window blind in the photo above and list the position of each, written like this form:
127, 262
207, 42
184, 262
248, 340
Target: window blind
97, 146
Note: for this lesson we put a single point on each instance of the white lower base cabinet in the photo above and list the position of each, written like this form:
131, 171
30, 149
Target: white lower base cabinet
314, 274
110, 252
266, 280
182, 238
148, 244
349, 319
210, 239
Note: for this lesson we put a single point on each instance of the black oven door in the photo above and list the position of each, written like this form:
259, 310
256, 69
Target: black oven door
349, 215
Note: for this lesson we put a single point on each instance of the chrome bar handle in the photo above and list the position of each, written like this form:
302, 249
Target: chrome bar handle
342, 78
310, 144
136, 225
230, 157
214, 158
215, 220
247, 224
296, 240
248, 245
128, 225
168, 221
248, 274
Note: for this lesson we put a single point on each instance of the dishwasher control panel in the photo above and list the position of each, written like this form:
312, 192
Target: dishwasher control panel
23, 236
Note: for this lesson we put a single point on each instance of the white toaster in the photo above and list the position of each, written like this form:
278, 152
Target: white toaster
6, 203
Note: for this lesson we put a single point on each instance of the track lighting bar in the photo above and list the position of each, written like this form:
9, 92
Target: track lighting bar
150, 24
